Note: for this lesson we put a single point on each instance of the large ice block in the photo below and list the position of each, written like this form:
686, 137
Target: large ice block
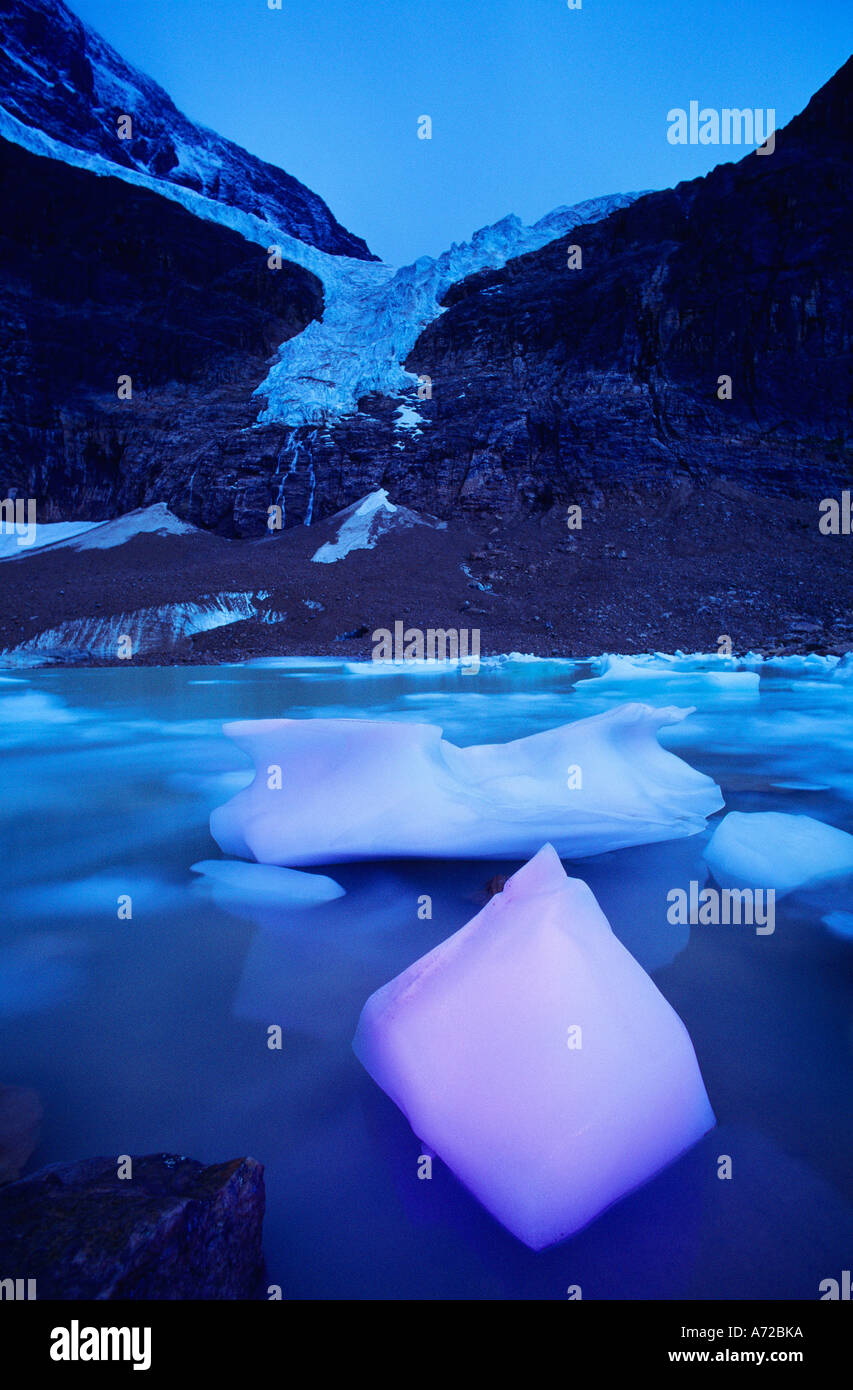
329, 790
534, 1055
773, 849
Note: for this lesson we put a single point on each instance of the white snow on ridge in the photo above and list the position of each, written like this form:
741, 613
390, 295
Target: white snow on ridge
97, 535
154, 520
361, 525
373, 314
254, 229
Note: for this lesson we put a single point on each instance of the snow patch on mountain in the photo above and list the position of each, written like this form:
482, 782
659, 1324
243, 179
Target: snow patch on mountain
155, 520
360, 526
408, 419
47, 535
98, 535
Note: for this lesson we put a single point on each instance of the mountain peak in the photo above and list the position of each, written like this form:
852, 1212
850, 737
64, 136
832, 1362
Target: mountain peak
59, 76
828, 113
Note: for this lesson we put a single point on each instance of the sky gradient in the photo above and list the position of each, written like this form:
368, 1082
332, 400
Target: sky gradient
533, 105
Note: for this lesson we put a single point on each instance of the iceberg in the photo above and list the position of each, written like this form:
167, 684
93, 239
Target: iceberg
773, 849
537, 1059
332, 790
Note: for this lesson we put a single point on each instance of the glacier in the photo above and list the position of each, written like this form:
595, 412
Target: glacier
773, 849
147, 628
373, 313
371, 324
537, 1059
352, 789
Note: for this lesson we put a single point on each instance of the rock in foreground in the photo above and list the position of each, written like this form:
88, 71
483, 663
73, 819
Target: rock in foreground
175, 1229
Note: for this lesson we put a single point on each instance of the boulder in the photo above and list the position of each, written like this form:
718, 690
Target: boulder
175, 1229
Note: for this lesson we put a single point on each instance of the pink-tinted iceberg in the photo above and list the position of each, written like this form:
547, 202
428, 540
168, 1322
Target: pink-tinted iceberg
537, 1059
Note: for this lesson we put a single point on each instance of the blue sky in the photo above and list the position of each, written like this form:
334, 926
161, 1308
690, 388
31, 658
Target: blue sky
533, 104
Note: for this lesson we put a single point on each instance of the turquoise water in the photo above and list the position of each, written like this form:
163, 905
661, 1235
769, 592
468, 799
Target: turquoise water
150, 1034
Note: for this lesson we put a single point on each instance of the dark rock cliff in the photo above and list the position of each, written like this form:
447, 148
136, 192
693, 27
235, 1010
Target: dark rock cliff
171, 1229
612, 370
101, 279
549, 382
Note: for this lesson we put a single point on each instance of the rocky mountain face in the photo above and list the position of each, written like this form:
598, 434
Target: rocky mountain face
100, 280
549, 376
546, 383
59, 76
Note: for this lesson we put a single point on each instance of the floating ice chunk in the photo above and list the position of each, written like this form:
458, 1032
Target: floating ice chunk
534, 1055
280, 885
691, 675
772, 849
366, 789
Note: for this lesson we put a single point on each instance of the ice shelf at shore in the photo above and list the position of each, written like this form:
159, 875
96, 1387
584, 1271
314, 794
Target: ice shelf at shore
330, 790
537, 1059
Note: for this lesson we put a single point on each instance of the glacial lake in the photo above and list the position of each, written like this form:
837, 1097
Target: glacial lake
150, 1034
